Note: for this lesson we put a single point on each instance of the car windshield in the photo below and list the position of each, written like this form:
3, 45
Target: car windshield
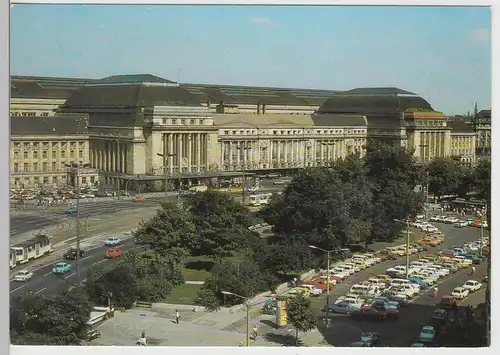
59, 265
427, 331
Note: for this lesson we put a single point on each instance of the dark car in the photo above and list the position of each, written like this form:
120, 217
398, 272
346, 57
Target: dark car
447, 302
439, 314
71, 254
374, 313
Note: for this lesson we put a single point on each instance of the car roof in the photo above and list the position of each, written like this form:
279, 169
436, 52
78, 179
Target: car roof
459, 288
428, 327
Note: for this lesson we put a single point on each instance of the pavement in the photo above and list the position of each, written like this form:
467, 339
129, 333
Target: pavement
228, 328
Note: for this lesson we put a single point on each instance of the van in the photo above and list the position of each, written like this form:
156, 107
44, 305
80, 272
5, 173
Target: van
399, 282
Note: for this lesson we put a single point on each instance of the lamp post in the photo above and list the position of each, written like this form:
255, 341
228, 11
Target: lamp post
248, 312
426, 183
77, 168
327, 311
243, 148
166, 156
407, 222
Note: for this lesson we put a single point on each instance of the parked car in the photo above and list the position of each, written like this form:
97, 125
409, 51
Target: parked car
472, 285
312, 289
461, 224
71, 254
23, 276
343, 307
110, 241
447, 302
460, 293
419, 281
427, 334
373, 313
71, 210
113, 253
61, 268
369, 338
439, 314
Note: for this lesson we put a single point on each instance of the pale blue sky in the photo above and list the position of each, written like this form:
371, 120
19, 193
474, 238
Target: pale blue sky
442, 53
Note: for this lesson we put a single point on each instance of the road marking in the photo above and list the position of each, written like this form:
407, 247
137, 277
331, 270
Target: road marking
48, 273
103, 260
87, 257
67, 277
20, 287
43, 289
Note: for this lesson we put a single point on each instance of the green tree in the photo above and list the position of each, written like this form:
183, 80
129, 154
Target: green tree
207, 298
118, 281
445, 176
482, 183
300, 315
221, 224
393, 175
57, 320
242, 277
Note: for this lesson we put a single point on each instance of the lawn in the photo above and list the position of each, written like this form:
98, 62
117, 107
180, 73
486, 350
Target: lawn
183, 294
197, 268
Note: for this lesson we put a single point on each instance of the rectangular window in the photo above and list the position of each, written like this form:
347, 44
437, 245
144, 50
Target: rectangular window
44, 154
36, 145
72, 154
84, 180
45, 180
35, 167
16, 167
54, 155
80, 154
45, 167
36, 179
25, 167
16, 155
35, 154
54, 179
54, 166
63, 154
92, 179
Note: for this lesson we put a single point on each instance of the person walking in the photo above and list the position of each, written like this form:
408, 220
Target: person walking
472, 270
254, 332
177, 316
436, 291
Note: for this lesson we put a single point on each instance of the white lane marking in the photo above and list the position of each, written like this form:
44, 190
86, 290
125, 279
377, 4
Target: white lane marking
43, 289
103, 260
14, 290
48, 273
87, 257
73, 274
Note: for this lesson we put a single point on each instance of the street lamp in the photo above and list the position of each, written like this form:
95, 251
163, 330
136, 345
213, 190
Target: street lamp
77, 168
248, 312
166, 156
243, 148
426, 184
407, 222
327, 279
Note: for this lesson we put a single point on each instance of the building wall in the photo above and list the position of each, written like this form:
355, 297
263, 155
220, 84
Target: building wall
463, 145
429, 138
34, 107
40, 159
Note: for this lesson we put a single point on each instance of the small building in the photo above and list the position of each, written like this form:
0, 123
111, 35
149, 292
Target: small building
463, 141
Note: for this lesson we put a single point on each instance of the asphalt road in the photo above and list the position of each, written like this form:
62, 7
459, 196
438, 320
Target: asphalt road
344, 330
36, 217
44, 281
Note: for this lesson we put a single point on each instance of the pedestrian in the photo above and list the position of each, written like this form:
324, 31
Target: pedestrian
177, 316
473, 270
436, 292
254, 332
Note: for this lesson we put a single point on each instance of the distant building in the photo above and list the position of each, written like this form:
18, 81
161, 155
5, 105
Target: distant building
40, 148
463, 141
481, 125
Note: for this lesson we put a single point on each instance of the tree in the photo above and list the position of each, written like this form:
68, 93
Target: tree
118, 281
57, 320
221, 224
445, 176
482, 183
208, 298
393, 175
327, 208
300, 314
242, 277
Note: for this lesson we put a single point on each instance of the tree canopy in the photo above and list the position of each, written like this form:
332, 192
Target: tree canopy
300, 314
56, 320
445, 176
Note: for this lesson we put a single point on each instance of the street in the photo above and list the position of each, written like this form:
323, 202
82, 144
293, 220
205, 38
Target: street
44, 281
343, 329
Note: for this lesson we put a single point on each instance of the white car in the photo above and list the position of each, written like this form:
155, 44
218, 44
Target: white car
434, 219
354, 266
341, 274
452, 220
23, 276
472, 285
111, 241
439, 271
460, 293
461, 224
399, 268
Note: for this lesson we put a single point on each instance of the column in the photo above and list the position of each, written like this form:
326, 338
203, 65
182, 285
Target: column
229, 152
181, 151
124, 157
189, 147
238, 154
198, 152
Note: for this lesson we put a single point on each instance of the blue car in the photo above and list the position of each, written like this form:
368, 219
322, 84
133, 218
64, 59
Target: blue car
343, 308
418, 281
427, 334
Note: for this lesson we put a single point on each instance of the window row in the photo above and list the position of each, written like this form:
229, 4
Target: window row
293, 132
45, 154
46, 145
35, 167
182, 121
51, 180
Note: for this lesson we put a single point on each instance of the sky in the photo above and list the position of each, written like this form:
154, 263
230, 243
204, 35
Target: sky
441, 53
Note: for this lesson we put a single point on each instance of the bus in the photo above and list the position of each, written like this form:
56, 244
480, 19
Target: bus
260, 199
33, 248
